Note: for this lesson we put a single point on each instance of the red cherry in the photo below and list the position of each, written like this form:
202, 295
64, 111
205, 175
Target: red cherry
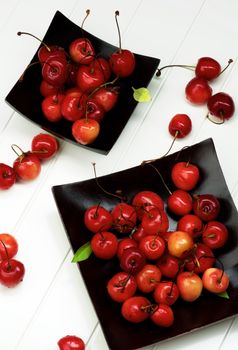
198, 91
185, 175
89, 77
27, 166
71, 342
7, 176
47, 89
148, 278
201, 258
215, 280
45, 145
166, 292
73, 106
190, 223
47, 51
207, 68
168, 265
155, 221
51, 107
221, 105
138, 233
102, 64
134, 309
11, 272
82, 51
106, 96
125, 243
153, 246
94, 110
124, 217
8, 246
121, 286
215, 234
104, 245
85, 130
122, 63
146, 200
180, 126
97, 218
180, 202
55, 71
206, 206
163, 316
132, 260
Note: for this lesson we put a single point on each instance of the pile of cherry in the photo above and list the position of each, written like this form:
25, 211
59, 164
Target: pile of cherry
27, 165
76, 83
158, 266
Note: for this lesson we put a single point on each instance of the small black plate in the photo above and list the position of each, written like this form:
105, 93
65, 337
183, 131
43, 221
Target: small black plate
25, 96
72, 200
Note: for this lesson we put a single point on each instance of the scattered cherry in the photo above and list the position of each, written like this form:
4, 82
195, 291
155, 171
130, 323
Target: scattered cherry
71, 342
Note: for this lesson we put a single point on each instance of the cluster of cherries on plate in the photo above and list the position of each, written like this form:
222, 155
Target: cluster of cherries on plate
78, 84
27, 165
158, 266
198, 90
12, 271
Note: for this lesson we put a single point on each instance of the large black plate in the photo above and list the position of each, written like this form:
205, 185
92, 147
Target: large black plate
26, 99
72, 199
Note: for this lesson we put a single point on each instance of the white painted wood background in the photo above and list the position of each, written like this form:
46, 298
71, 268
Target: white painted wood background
52, 301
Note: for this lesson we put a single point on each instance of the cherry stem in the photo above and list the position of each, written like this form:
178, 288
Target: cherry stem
223, 70
118, 29
158, 73
14, 147
171, 146
216, 122
86, 16
103, 85
7, 255
44, 44
105, 191
162, 179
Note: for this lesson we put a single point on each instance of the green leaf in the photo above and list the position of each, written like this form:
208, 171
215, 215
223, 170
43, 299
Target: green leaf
83, 253
223, 295
141, 94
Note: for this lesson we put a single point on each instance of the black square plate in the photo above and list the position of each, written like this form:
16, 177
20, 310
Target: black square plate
72, 200
25, 96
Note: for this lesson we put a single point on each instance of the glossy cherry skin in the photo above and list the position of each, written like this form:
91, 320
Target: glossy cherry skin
7, 176
132, 260
47, 89
168, 265
190, 285
51, 107
12, 272
206, 206
163, 316
180, 202
121, 286
148, 278
190, 223
146, 200
153, 246
73, 106
97, 218
107, 97
201, 258
207, 68
71, 342
125, 243
215, 280
55, 71
134, 309
85, 130
180, 126
94, 110
48, 51
185, 175
155, 221
166, 292
138, 233
198, 91
221, 105
215, 234
122, 63
124, 217
104, 245
44, 145
179, 243
27, 166
89, 78
82, 51
102, 64
8, 246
